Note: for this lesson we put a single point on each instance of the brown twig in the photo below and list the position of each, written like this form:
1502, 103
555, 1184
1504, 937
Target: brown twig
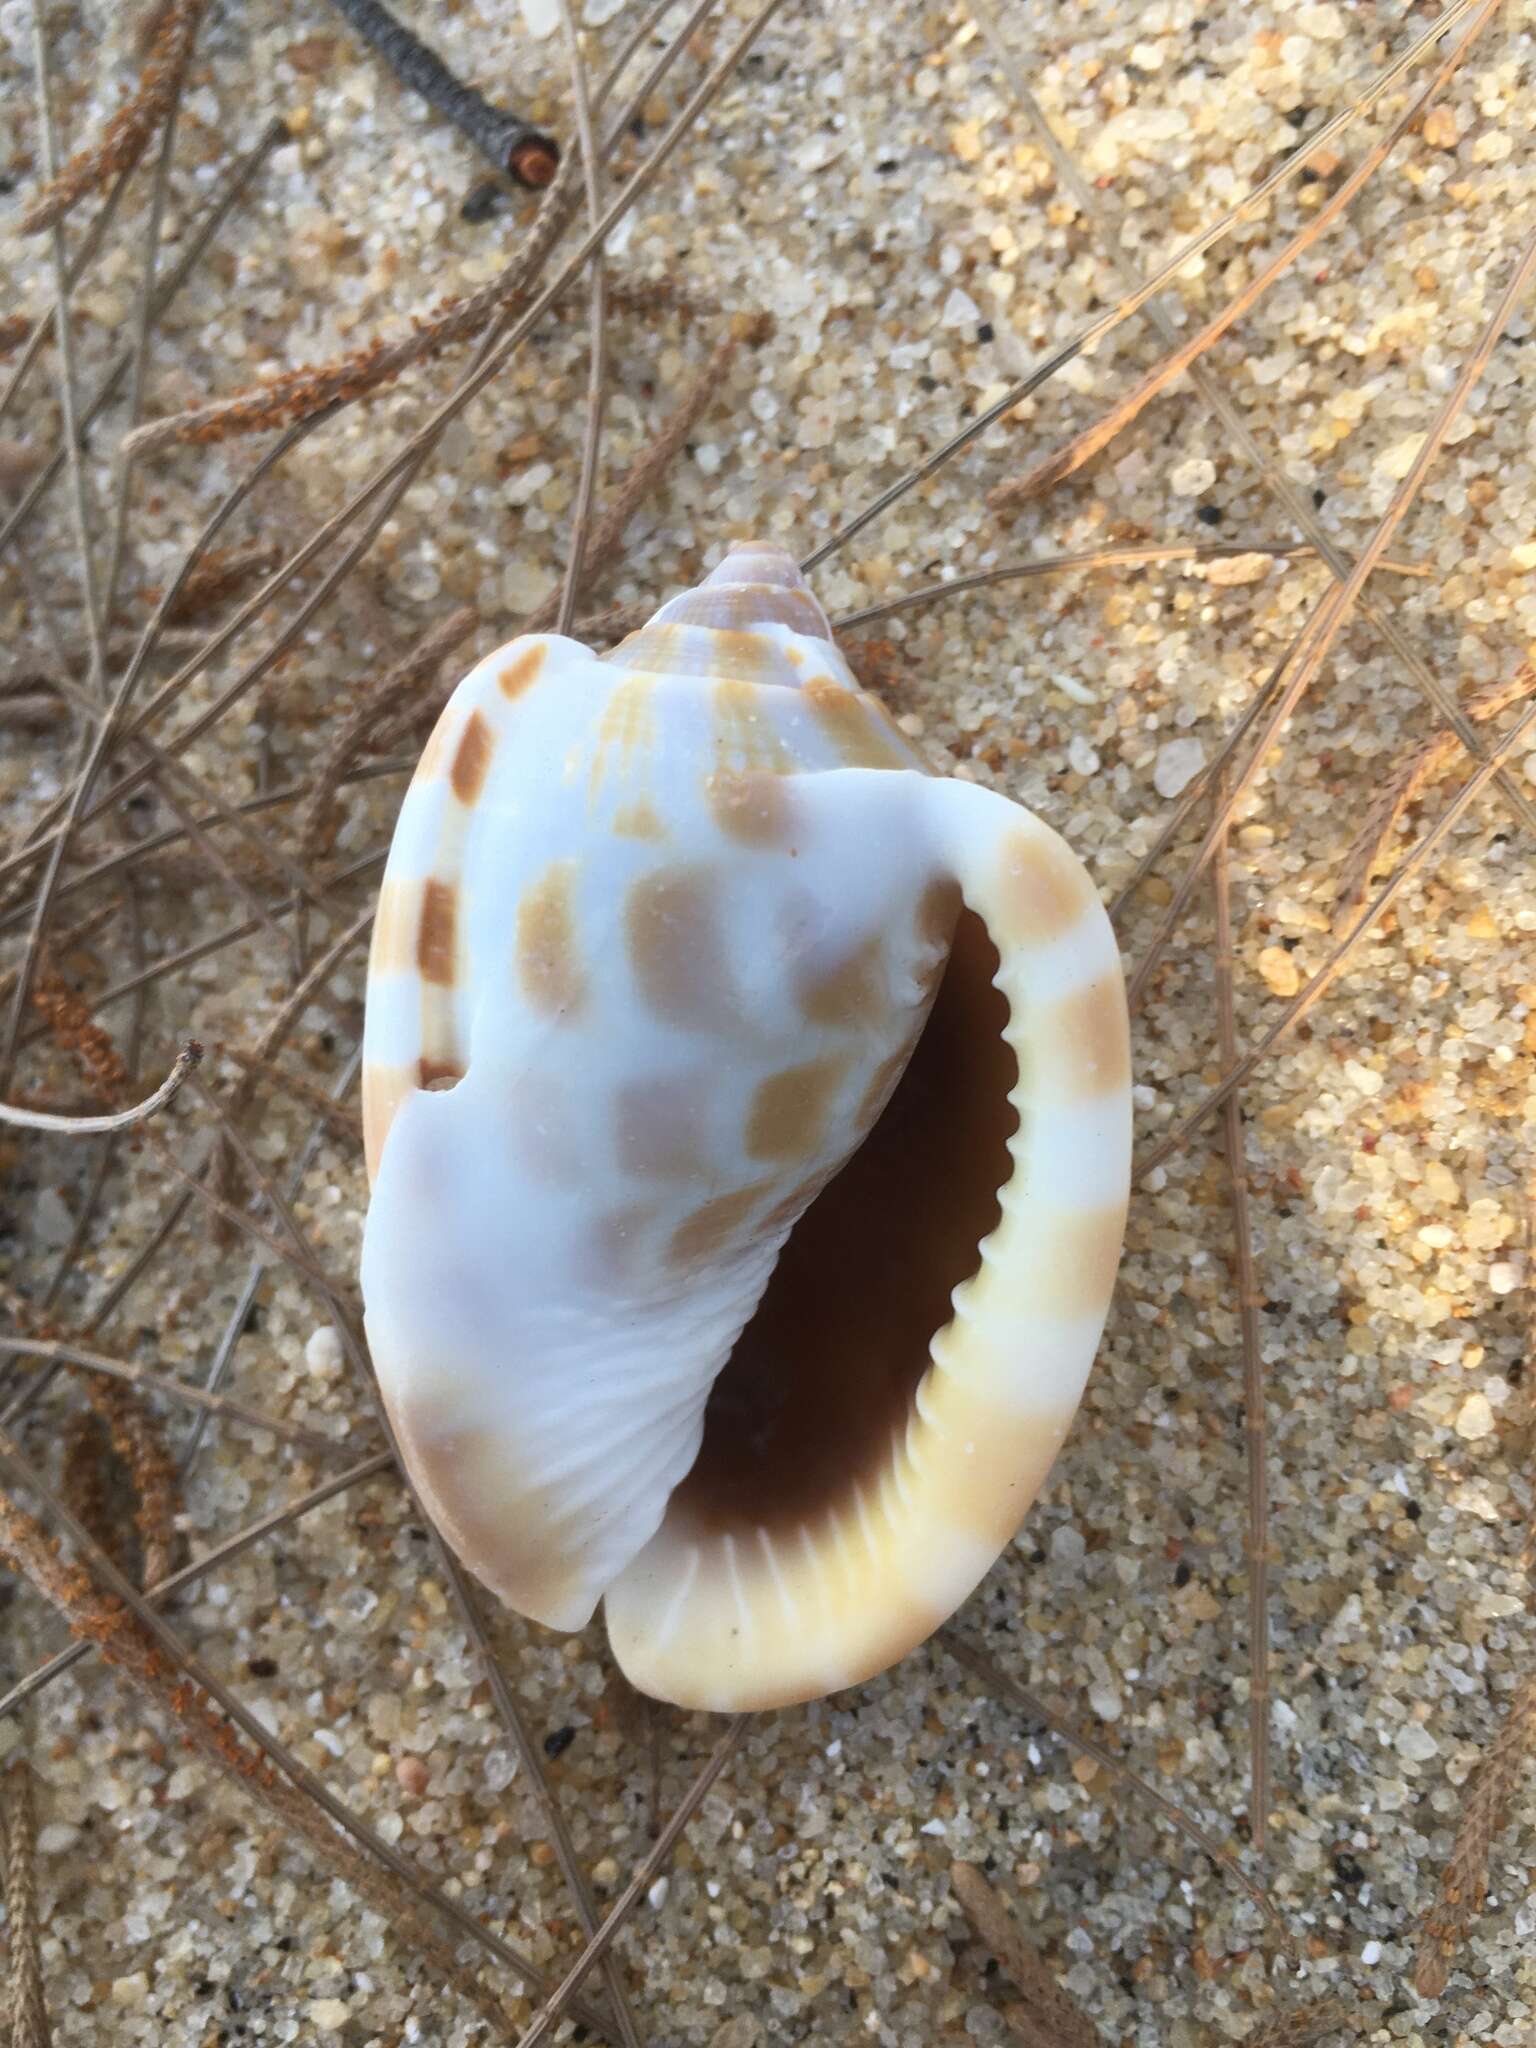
1249, 1303
18, 1822
1433, 759
335, 1113
127, 134
1484, 1813
512, 144
1051, 2017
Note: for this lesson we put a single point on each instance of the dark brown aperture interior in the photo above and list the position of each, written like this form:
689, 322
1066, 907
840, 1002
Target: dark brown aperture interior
827, 1368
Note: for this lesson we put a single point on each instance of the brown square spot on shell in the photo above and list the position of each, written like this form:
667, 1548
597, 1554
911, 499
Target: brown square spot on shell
661, 1126
1084, 1043
1076, 1259
436, 939
472, 759
788, 1117
712, 1226
752, 809
1045, 891
523, 670
857, 726
851, 996
549, 969
677, 949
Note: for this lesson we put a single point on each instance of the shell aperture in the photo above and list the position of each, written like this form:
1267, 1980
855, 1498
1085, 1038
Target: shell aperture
690, 1287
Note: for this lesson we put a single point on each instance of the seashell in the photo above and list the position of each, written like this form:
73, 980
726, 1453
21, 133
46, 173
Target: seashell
748, 1119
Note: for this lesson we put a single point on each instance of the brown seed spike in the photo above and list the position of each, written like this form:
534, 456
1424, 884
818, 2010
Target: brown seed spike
789, 1110
436, 938
548, 963
472, 759
523, 670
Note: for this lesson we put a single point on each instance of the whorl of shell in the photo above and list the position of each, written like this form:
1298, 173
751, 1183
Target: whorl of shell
657, 936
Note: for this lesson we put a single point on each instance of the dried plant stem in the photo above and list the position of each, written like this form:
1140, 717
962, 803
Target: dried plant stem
1484, 1813
1334, 965
1218, 398
99, 1603
28, 2007
127, 134
132, 1374
643, 478
398, 687
336, 1114
558, 2003
1433, 759
1249, 1303
1327, 621
1134, 557
221, 1553
1053, 469
1052, 2017
212, 219
597, 321
120, 1120
1115, 315
992, 1674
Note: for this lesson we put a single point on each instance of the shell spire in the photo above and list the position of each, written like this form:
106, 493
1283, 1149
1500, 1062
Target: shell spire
758, 603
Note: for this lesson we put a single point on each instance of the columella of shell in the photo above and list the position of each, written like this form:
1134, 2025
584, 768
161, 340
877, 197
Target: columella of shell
748, 1122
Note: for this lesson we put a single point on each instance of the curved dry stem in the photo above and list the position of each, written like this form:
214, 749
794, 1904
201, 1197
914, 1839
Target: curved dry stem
119, 1120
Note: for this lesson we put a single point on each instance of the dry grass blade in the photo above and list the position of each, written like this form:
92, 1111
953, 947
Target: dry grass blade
1043, 475
1484, 1813
118, 1120
62, 1351
597, 320
221, 1553
128, 133
1134, 300
336, 1114
1327, 622
1435, 758
135, 1641
992, 1674
1335, 963
28, 2007
396, 690
220, 575
560, 2002
1051, 2016
1249, 1303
